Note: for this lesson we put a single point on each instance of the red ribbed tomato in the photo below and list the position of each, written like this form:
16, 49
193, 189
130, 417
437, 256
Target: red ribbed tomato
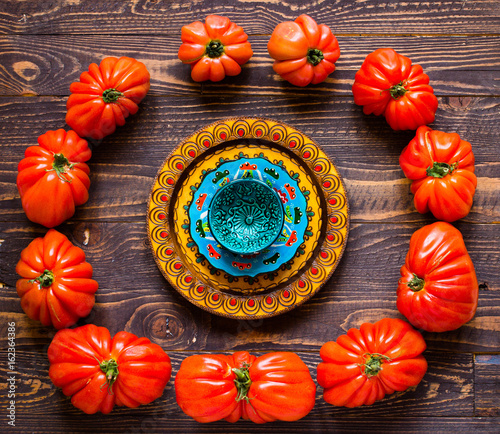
441, 168
304, 51
106, 95
364, 365
55, 286
98, 371
214, 49
53, 178
275, 386
389, 84
438, 289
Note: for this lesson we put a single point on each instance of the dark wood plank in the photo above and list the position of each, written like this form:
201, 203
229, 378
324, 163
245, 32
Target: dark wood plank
257, 17
487, 385
45, 45
47, 65
445, 391
362, 289
161, 420
364, 148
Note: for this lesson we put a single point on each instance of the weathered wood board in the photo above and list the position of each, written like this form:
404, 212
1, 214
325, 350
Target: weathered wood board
45, 45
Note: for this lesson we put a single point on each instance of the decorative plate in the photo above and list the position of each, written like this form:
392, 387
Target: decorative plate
293, 229
227, 281
187, 267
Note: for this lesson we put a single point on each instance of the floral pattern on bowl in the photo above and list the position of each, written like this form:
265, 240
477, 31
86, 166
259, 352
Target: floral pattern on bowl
245, 216
282, 250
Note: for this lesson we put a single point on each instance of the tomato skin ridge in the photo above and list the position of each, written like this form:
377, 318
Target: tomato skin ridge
387, 83
106, 95
304, 52
438, 307
278, 386
389, 344
141, 369
215, 49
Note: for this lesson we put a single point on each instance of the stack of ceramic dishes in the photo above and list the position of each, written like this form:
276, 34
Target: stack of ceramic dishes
248, 218
262, 225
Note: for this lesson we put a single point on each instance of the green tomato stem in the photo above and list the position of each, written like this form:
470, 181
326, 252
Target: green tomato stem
110, 369
398, 90
416, 283
214, 49
373, 364
45, 279
111, 95
242, 382
60, 165
440, 170
314, 56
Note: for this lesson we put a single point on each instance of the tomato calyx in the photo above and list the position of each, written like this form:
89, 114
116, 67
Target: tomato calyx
416, 283
373, 364
214, 49
440, 170
111, 95
60, 165
398, 90
45, 279
242, 382
110, 369
314, 56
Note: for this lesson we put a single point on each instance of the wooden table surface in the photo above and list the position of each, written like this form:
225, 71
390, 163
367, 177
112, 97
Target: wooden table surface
45, 45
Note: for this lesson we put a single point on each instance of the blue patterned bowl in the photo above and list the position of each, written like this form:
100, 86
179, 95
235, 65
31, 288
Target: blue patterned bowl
246, 216
294, 201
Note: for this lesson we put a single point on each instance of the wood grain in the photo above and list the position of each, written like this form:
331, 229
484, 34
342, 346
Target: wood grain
431, 398
162, 419
367, 17
45, 45
487, 385
364, 149
48, 64
362, 289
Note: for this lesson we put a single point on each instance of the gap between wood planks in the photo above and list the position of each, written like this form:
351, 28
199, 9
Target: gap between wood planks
231, 95
250, 35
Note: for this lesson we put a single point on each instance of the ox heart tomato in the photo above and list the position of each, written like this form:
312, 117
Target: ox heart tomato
438, 289
53, 178
98, 371
304, 52
55, 286
389, 84
106, 95
275, 386
214, 49
364, 365
441, 168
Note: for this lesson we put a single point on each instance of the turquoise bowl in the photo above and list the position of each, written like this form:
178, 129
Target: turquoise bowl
294, 202
246, 216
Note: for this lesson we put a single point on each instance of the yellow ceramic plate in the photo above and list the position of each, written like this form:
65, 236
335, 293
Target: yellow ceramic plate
185, 267
218, 278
